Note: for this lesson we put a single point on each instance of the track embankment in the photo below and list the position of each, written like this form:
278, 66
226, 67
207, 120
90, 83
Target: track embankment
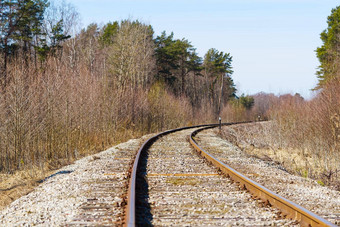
90, 192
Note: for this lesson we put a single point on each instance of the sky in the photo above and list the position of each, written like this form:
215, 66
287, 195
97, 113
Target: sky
272, 42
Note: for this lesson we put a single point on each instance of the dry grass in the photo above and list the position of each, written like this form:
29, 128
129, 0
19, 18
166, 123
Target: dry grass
258, 140
13, 186
183, 181
312, 128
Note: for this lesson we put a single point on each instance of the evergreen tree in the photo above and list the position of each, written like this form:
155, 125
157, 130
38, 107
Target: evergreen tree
20, 27
165, 60
329, 52
218, 70
175, 60
247, 101
58, 36
109, 32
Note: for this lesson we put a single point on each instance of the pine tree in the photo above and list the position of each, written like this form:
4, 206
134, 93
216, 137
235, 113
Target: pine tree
175, 60
329, 52
20, 28
218, 70
109, 32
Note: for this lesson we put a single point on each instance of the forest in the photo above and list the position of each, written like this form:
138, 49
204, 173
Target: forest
67, 92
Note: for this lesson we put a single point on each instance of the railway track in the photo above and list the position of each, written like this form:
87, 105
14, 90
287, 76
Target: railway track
176, 186
171, 184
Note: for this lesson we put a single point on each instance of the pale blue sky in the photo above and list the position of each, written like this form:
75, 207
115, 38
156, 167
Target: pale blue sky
272, 41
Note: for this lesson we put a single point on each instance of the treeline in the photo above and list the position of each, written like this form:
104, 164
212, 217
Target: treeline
65, 94
312, 126
308, 127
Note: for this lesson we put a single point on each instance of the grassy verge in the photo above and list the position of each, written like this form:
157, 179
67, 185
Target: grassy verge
259, 140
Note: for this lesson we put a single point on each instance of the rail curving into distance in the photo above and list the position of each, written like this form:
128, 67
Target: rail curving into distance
131, 196
292, 210
287, 207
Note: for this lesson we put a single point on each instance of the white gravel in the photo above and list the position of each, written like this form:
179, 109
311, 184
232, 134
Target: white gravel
88, 192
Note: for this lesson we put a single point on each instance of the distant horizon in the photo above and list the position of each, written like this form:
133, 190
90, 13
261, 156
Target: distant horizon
272, 42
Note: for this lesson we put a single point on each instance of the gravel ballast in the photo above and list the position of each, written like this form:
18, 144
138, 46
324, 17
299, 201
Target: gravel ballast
183, 190
89, 192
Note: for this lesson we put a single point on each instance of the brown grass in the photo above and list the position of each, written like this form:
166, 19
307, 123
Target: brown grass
258, 140
13, 186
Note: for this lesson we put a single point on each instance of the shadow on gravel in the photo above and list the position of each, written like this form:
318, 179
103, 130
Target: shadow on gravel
55, 174
143, 208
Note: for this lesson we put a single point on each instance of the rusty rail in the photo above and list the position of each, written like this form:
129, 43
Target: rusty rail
287, 207
292, 210
131, 197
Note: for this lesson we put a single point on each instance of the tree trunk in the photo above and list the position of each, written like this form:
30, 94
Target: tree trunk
182, 77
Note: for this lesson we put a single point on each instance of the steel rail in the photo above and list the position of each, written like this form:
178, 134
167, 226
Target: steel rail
287, 207
130, 219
